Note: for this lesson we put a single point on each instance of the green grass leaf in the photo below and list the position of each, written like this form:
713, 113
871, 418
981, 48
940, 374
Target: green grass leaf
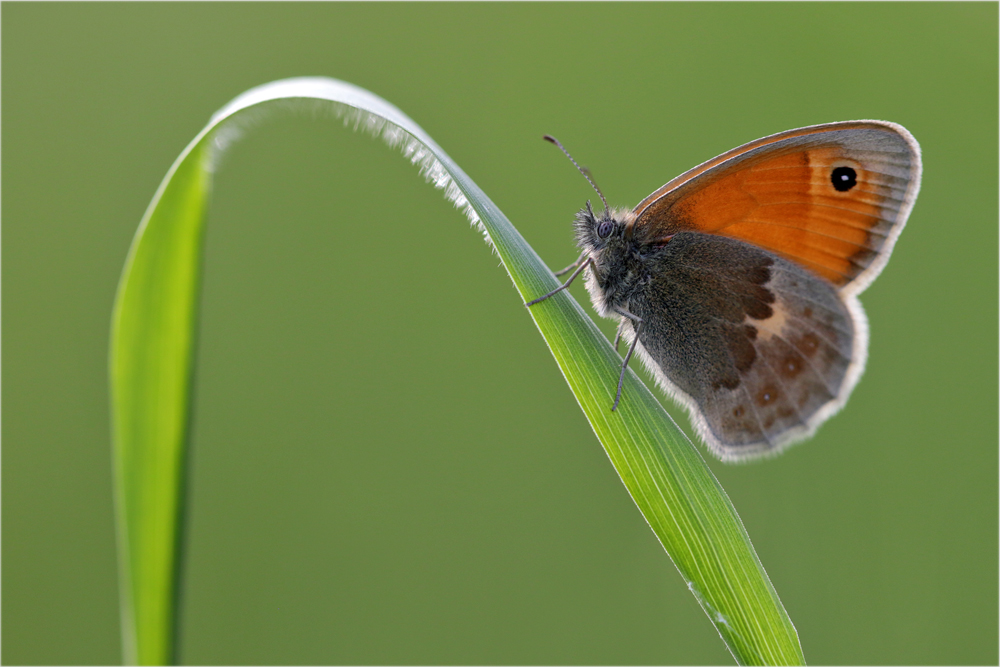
153, 336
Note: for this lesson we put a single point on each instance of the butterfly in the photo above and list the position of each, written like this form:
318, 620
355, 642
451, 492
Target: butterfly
737, 282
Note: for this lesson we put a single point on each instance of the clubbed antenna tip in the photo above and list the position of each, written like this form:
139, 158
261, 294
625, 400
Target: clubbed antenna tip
584, 171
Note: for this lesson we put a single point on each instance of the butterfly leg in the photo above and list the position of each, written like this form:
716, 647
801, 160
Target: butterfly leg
618, 334
563, 286
637, 322
573, 265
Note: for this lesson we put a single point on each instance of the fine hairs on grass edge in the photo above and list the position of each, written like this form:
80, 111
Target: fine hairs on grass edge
367, 122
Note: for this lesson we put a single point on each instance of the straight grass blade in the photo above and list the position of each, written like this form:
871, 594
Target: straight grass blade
152, 356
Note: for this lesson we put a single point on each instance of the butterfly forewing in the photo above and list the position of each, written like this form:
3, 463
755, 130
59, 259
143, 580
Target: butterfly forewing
831, 198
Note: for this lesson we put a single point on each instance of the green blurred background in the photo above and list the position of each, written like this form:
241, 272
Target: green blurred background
387, 465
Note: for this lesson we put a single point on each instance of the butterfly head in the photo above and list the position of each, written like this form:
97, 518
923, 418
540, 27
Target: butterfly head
604, 233
607, 240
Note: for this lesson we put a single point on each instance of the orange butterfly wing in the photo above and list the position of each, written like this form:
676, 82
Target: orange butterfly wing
778, 193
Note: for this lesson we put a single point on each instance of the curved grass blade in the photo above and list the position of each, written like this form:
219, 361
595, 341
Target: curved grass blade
152, 355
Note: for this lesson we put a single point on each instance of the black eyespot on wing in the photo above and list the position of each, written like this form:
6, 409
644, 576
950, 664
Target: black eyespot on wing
605, 228
843, 179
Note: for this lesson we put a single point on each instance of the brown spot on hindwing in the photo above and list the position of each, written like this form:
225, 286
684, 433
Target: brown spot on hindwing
767, 395
791, 365
808, 343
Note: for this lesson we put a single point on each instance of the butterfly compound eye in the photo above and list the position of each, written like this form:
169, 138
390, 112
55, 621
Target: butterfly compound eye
843, 179
605, 228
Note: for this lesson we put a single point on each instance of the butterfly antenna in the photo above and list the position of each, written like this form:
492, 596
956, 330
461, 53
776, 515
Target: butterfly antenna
583, 170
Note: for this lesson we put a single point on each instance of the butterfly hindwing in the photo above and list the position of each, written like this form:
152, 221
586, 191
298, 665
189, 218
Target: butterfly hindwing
760, 349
